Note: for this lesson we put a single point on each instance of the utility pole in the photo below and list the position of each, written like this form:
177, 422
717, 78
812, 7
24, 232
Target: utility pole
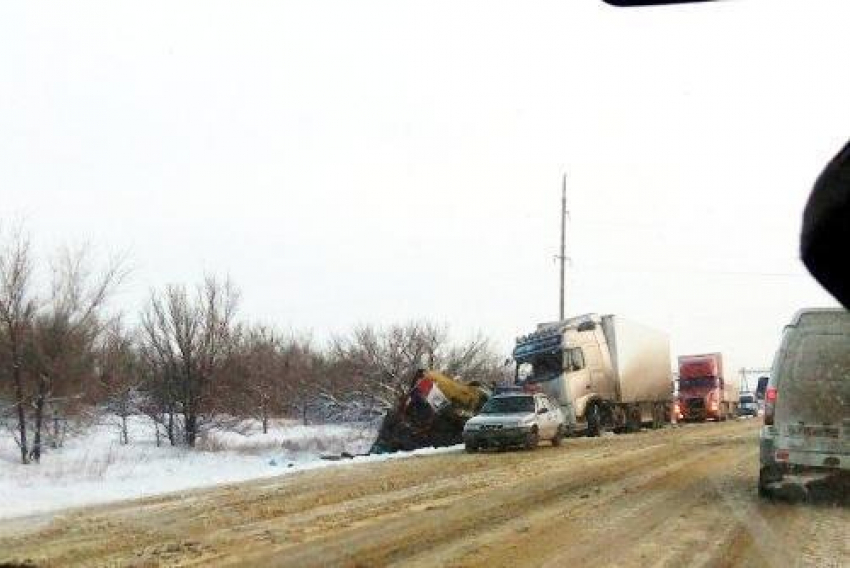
562, 257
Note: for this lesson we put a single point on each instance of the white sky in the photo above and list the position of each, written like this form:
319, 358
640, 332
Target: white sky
352, 162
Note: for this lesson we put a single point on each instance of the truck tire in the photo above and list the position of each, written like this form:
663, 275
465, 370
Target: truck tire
633, 419
658, 416
559, 435
532, 439
594, 419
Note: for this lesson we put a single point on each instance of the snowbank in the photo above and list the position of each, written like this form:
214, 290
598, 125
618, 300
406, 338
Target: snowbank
95, 468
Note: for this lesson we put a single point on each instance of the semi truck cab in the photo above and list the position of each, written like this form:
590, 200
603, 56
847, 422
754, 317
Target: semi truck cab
703, 389
604, 371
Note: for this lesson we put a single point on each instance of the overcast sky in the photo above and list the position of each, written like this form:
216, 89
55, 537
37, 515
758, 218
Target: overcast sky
370, 162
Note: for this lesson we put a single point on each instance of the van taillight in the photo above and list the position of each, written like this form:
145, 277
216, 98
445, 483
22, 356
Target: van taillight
769, 405
770, 395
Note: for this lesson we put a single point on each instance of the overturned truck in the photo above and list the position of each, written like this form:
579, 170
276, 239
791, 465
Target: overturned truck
431, 414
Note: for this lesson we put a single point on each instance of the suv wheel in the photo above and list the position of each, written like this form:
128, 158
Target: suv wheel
532, 440
559, 435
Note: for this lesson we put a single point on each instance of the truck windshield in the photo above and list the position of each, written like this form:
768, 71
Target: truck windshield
698, 382
543, 368
815, 380
509, 405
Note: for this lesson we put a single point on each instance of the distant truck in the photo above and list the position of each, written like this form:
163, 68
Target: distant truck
708, 390
747, 404
604, 371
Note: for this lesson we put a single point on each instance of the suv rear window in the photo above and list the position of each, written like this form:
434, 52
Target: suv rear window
814, 385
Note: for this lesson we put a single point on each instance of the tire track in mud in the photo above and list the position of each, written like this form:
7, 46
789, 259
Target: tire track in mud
401, 538
179, 519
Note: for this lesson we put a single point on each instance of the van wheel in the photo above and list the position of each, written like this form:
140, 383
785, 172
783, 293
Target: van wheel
767, 476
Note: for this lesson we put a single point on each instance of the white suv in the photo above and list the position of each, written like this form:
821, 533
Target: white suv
515, 419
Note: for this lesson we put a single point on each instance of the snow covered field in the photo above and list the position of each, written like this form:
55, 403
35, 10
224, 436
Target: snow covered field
95, 468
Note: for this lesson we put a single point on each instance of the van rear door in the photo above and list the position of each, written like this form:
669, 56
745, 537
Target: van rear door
813, 401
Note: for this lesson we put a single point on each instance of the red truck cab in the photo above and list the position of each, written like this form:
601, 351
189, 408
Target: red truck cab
704, 392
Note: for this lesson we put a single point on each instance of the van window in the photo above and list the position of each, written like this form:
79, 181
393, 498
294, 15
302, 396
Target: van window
814, 381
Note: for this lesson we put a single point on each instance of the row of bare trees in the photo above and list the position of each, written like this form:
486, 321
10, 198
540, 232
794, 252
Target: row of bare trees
190, 363
48, 342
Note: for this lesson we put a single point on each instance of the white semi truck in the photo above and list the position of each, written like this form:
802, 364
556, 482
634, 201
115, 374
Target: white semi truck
606, 372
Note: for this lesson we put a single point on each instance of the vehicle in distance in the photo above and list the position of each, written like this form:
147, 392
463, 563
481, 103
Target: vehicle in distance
806, 433
708, 388
604, 371
747, 404
515, 419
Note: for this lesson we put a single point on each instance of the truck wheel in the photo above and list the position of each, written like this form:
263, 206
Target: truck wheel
559, 435
532, 440
658, 416
633, 419
597, 420
594, 419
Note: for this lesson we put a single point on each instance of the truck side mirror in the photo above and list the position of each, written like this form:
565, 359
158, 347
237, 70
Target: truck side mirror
543, 410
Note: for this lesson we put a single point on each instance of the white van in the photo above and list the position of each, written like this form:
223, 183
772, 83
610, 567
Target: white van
806, 432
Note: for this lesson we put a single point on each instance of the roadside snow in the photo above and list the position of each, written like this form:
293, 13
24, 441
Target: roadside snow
95, 468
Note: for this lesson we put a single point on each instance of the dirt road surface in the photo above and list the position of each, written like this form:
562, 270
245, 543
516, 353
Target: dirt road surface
675, 497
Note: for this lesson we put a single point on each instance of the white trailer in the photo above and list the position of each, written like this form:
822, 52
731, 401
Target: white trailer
606, 372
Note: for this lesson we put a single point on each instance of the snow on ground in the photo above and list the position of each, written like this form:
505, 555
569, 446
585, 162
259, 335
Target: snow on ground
94, 468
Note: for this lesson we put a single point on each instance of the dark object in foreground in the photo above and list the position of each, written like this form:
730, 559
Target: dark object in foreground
826, 228
630, 3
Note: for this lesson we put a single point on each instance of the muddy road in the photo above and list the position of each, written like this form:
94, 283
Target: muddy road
676, 497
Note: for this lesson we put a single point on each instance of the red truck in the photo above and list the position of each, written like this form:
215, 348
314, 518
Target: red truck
707, 389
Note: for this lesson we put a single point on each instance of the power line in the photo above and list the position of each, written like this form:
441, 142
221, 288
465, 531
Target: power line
684, 271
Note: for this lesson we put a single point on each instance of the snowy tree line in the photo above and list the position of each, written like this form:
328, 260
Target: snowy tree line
190, 363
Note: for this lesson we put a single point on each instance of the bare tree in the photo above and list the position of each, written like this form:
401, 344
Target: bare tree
119, 376
18, 307
187, 341
256, 375
65, 332
381, 361
379, 364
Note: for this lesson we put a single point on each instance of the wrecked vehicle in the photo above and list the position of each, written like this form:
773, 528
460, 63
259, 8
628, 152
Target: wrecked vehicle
431, 414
